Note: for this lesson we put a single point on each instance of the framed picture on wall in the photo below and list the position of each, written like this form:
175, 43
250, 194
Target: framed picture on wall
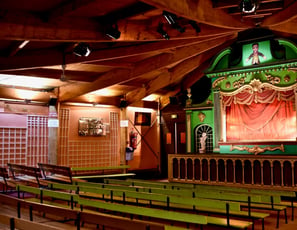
91, 126
143, 119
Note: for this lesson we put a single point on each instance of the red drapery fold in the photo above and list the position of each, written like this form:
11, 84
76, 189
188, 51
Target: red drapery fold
268, 115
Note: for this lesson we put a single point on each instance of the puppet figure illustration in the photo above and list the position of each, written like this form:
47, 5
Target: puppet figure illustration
202, 142
255, 55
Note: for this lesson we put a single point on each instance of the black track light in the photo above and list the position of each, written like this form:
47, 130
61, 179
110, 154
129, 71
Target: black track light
195, 26
248, 6
113, 32
82, 49
172, 20
161, 31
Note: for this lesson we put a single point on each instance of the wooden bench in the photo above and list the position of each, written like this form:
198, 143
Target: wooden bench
21, 224
89, 173
57, 173
26, 175
21, 204
81, 216
5, 180
164, 201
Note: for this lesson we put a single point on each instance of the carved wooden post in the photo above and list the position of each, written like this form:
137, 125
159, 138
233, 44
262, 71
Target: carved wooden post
253, 174
282, 173
225, 166
217, 165
293, 174
262, 173
272, 174
234, 171
243, 180
200, 168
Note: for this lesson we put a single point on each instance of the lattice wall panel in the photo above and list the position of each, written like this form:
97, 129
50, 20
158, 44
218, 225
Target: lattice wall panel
37, 146
13, 146
85, 153
63, 135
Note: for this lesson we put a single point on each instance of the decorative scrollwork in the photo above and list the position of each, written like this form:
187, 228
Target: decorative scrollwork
256, 149
218, 81
273, 80
239, 83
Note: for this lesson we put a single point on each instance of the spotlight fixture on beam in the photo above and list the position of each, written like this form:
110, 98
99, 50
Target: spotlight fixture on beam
195, 26
82, 49
161, 31
172, 20
113, 32
248, 6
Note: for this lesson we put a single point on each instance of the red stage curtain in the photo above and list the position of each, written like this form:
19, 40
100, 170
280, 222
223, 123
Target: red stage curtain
268, 115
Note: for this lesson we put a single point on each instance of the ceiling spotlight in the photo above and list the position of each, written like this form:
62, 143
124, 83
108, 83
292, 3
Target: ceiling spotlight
81, 49
171, 19
113, 32
161, 31
195, 26
248, 6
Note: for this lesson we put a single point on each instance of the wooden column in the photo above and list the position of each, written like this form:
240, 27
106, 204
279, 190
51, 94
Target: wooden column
188, 130
282, 173
53, 129
124, 137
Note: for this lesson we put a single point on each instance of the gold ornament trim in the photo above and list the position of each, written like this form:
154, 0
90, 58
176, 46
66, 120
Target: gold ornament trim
256, 149
257, 86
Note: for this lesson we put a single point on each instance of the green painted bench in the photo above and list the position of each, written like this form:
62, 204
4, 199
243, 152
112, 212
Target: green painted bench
249, 201
270, 196
87, 215
194, 204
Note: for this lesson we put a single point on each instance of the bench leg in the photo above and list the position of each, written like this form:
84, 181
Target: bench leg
277, 220
263, 224
292, 205
286, 219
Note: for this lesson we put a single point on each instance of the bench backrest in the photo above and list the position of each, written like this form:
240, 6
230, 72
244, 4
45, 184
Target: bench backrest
24, 170
148, 212
4, 173
165, 198
48, 193
51, 169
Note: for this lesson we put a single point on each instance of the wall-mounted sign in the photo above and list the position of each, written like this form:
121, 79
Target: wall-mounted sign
53, 123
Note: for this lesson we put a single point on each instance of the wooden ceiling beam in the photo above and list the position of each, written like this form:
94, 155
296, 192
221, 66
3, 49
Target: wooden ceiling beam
201, 11
263, 8
143, 67
289, 27
192, 69
67, 9
224, 4
22, 94
281, 17
50, 57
